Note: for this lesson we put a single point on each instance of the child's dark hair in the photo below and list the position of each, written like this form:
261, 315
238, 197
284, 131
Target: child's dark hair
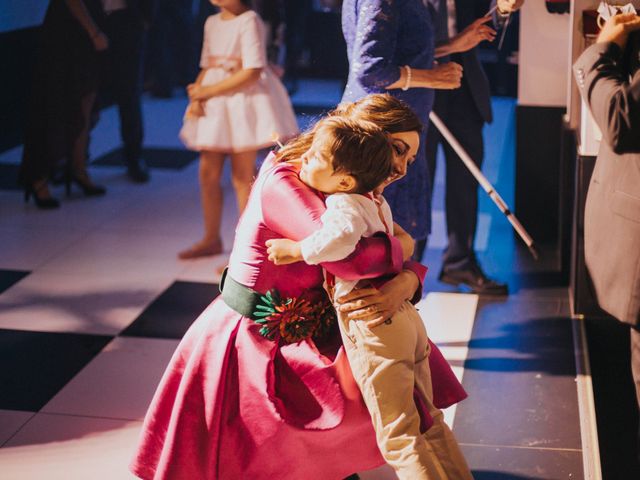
359, 149
247, 3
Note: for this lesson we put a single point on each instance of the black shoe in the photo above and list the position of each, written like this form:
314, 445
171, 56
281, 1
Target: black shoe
474, 278
81, 179
138, 171
42, 202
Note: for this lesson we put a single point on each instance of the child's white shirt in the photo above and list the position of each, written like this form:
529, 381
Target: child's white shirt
348, 218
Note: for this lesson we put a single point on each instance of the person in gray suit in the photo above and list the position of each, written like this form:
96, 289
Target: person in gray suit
609, 81
465, 112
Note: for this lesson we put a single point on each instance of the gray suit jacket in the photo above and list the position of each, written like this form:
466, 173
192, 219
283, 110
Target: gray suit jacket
612, 215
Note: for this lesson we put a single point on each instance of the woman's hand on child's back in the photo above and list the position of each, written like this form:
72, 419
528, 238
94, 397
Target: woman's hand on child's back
376, 306
283, 251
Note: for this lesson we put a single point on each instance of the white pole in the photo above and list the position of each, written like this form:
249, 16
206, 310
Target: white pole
484, 183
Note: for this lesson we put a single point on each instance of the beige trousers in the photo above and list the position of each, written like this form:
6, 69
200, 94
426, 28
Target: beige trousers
387, 362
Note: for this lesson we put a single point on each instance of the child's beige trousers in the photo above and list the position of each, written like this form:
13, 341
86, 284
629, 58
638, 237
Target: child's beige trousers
387, 362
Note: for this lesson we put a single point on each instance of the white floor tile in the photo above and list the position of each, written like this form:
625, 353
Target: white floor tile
449, 319
119, 382
60, 447
95, 303
449, 316
10, 423
26, 248
206, 270
110, 252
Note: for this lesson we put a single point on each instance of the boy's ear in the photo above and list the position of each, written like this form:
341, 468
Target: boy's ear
347, 183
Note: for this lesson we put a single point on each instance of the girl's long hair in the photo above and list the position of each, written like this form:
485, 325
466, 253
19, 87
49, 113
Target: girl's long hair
387, 112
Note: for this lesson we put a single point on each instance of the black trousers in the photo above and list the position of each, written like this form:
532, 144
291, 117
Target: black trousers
123, 76
458, 112
172, 58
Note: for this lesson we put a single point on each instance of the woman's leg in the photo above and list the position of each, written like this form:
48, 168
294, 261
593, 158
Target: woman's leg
243, 171
211, 197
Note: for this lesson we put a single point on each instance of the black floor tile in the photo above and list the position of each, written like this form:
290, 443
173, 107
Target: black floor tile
173, 312
520, 376
10, 277
166, 158
36, 365
615, 399
504, 463
9, 176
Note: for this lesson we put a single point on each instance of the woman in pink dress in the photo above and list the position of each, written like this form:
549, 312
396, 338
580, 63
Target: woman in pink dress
242, 398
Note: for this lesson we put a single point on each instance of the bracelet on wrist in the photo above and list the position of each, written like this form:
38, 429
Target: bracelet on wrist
407, 82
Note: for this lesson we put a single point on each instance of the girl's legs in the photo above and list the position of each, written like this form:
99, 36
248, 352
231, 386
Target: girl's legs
211, 197
243, 170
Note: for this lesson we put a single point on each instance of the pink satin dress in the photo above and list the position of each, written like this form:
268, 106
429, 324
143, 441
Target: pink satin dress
233, 404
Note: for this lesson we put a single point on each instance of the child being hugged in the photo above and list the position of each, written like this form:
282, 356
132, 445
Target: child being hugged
237, 106
347, 161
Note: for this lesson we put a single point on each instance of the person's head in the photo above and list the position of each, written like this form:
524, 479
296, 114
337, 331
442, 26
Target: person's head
347, 156
392, 115
396, 118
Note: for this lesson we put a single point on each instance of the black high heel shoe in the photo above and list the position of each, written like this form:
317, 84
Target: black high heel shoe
81, 179
45, 203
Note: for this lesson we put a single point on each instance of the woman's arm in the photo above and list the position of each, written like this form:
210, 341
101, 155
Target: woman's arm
614, 101
236, 81
375, 47
292, 210
79, 11
445, 76
377, 305
469, 38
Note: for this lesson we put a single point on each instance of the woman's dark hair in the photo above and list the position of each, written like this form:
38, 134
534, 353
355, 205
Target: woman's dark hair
387, 112
356, 148
383, 110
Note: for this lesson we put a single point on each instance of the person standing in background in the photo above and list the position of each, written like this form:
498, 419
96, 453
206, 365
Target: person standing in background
390, 46
236, 106
464, 111
63, 91
609, 82
125, 25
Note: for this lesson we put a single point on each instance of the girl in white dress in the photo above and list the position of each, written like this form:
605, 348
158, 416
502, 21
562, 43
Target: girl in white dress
237, 106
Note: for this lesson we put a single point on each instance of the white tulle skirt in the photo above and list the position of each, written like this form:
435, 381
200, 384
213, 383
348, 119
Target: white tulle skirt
243, 121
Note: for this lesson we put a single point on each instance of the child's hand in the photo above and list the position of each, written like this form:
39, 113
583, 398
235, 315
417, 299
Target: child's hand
194, 110
196, 92
283, 251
